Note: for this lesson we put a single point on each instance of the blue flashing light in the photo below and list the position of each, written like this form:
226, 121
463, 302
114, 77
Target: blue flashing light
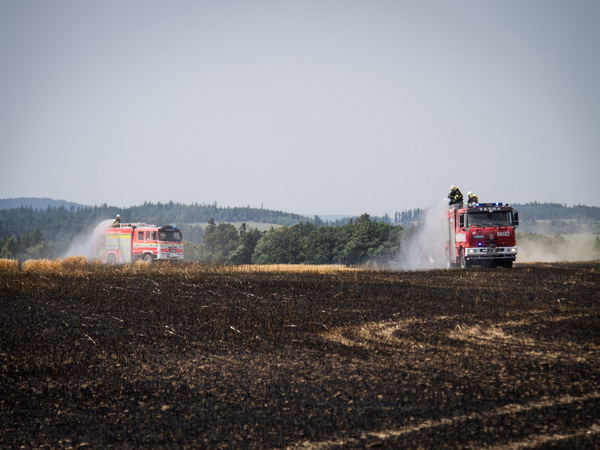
476, 204
479, 244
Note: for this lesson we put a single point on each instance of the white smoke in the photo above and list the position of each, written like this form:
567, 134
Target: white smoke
544, 248
85, 243
424, 248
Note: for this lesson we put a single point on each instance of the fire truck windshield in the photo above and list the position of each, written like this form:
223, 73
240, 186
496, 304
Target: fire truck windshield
169, 236
487, 219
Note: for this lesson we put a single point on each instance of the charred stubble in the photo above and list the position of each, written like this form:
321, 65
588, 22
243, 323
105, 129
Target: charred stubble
197, 356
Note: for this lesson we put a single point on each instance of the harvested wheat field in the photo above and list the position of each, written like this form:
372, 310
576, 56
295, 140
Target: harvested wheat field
293, 357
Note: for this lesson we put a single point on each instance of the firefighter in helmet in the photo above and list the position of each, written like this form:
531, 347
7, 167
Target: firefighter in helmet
472, 197
455, 196
117, 222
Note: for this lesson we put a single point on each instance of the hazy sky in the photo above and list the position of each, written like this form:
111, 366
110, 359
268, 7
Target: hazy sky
314, 107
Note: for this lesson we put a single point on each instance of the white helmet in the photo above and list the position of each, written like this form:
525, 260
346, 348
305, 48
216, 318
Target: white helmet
469, 193
452, 187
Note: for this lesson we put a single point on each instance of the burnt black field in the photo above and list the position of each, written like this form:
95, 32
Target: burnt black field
214, 357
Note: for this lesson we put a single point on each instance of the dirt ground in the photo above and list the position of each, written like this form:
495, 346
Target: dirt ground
210, 357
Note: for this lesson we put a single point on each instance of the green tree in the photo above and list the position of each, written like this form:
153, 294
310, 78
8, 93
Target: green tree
247, 244
7, 247
357, 242
364, 240
371, 241
318, 246
278, 246
42, 250
220, 242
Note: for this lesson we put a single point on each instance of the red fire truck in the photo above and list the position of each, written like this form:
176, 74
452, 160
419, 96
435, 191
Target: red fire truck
482, 234
139, 241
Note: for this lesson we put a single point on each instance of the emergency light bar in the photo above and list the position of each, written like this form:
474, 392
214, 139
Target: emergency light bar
487, 204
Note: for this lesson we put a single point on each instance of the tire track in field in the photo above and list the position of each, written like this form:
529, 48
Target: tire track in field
510, 409
399, 335
410, 336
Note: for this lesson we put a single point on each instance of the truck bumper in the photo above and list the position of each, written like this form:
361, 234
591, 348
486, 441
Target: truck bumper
476, 253
169, 257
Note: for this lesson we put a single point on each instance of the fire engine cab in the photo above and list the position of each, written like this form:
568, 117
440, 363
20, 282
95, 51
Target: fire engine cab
482, 234
139, 241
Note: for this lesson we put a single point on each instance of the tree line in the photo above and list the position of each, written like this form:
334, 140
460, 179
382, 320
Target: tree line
59, 225
56, 220
360, 241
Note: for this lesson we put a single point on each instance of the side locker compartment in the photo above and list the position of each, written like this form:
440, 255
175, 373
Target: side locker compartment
125, 247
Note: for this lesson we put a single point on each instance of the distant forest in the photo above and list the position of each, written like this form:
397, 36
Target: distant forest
39, 228
61, 223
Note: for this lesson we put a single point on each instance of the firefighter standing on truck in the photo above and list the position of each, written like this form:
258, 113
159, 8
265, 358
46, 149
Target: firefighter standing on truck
455, 196
472, 198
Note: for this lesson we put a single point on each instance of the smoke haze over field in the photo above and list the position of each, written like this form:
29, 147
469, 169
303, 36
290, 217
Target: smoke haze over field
313, 107
539, 248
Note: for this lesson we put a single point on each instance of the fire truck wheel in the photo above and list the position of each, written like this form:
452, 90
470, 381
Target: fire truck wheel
111, 259
147, 258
